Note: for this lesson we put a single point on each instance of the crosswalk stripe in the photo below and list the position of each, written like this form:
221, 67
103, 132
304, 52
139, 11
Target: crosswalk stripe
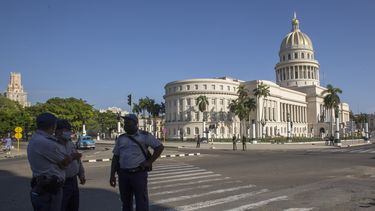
172, 166
258, 204
372, 151
354, 151
167, 168
183, 179
366, 150
172, 170
179, 198
299, 209
181, 175
179, 190
190, 188
219, 201
178, 172
188, 183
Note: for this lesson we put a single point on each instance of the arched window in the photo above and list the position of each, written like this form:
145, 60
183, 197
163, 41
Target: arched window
302, 55
289, 57
188, 130
284, 58
295, 55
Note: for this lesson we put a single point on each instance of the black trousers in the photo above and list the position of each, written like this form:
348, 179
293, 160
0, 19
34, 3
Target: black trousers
133, 184
70, 199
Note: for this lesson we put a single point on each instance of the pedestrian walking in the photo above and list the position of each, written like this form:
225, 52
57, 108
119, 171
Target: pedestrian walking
244, 148
47, 159
8, 145
73, 172
131, 161
234, 139
198, 141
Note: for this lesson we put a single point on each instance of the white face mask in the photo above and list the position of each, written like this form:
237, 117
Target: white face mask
67, 135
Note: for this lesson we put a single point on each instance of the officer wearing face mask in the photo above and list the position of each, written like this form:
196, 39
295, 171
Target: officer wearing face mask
74, 171
131, 162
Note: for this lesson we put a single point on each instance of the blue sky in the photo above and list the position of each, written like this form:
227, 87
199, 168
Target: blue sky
101, 51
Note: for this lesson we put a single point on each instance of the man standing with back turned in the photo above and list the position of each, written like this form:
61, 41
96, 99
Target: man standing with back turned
131, 162
48, 160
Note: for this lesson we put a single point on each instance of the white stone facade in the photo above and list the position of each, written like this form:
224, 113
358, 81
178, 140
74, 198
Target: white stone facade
297, 94
183, 119
15, 90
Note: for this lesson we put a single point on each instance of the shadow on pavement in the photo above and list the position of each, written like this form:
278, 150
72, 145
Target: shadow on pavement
14, 196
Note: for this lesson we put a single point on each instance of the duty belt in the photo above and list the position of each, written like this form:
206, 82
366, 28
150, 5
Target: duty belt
131, 170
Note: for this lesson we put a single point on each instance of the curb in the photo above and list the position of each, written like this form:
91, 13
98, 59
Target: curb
162, 156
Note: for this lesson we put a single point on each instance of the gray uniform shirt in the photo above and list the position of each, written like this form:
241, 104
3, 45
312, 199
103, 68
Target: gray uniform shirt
75, 167
129, 152
44, 153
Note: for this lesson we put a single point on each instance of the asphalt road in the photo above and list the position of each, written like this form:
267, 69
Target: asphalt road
317, 179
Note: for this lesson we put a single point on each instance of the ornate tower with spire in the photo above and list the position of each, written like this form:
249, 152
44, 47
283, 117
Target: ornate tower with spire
15, 90
297, 65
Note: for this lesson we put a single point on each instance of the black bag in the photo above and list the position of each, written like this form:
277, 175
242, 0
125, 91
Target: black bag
146, 154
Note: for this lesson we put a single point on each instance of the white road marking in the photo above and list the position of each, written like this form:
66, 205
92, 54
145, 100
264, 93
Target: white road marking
188, 183
184, 179
179, 198
258, 204
179, 190
181, 175
190, 188
172, 164
179, 172
299, 209
172, 167
210, 203
173, 170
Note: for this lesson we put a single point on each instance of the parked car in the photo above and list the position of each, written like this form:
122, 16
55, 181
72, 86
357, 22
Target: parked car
85, 142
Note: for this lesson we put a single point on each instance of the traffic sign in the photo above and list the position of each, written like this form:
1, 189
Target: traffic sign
18, 135
18, 130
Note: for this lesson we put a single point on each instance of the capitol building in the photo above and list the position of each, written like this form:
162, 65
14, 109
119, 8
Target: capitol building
296, 96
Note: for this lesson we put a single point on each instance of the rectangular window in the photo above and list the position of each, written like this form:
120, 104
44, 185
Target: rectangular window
221, 101
213, 102
180, 88
204, 86
197, 116
221, 87
213, 87
228, 87
188, 101
188, 87
296, 55
196, 86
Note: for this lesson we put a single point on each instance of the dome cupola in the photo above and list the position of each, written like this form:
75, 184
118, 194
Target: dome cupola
297, 66
296, 38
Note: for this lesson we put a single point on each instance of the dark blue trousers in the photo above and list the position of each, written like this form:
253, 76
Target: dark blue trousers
133, 184
46, 201
70, 199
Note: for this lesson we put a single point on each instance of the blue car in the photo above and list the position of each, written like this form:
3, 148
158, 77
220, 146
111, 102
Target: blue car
85, 142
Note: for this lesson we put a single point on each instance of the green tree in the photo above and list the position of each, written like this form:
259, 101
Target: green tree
242, 107
202, 103
331, 101
261, 91
12, 115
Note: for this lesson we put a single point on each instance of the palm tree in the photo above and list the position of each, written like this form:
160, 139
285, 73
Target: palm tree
332, 101
262, 90
242, 107
202, 103
145, 106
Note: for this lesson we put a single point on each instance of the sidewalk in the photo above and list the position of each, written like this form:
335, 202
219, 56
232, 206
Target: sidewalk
258, 146
14, 153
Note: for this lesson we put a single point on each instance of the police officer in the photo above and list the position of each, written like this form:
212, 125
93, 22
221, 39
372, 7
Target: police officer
47, 159
131, 164
70, 200
244, 143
